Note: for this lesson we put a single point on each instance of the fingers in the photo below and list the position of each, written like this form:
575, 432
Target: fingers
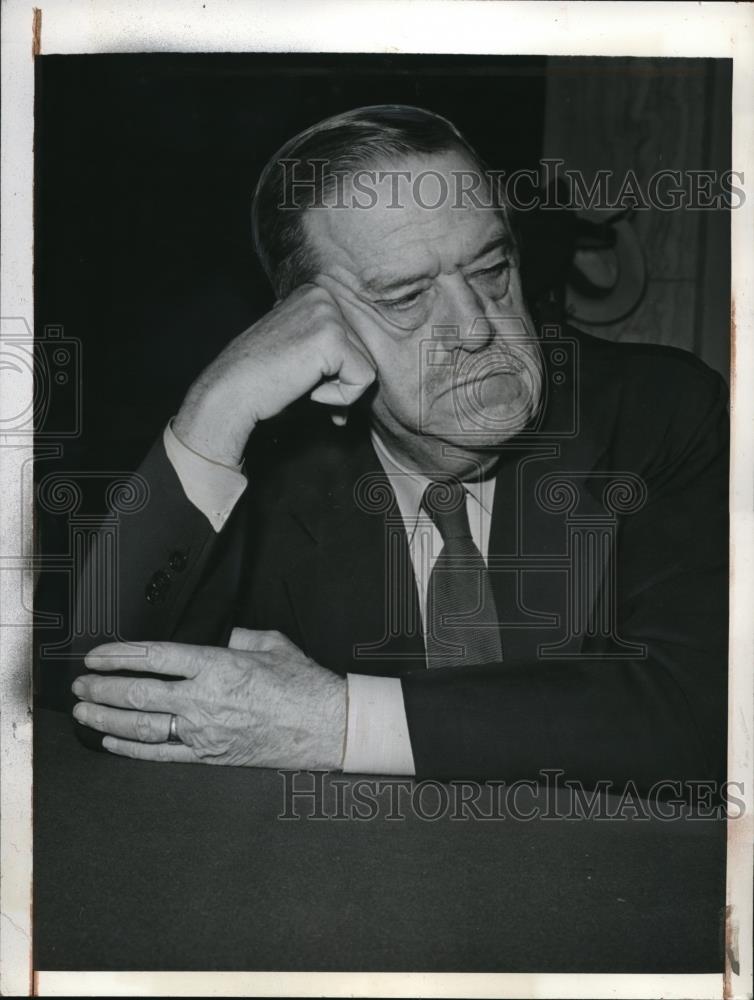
176, 658
140, 693
348, 368
336, 393
144, 727
176, 753
351, 371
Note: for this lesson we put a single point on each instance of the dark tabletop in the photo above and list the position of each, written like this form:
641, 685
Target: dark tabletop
170, 866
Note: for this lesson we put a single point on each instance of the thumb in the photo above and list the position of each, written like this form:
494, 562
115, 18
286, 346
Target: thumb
244, 638
253, 640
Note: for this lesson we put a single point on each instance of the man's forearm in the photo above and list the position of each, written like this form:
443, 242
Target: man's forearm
595, 720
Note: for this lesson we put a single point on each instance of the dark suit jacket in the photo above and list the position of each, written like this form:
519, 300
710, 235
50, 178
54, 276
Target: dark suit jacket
607, 555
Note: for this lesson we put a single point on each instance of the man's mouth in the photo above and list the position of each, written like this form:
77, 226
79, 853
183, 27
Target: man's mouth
478, 366
485, 372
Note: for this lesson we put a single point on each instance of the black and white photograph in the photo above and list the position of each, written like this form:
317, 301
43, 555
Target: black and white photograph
375, 508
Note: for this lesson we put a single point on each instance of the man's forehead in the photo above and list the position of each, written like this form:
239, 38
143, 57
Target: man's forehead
405, 226
421, 252
381, 246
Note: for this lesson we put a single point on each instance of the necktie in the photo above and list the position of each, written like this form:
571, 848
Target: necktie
462, 624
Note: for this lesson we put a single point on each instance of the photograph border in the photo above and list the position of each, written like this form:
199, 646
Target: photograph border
713, 30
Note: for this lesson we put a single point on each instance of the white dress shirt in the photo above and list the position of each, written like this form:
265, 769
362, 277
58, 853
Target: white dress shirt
212, 487
377, 738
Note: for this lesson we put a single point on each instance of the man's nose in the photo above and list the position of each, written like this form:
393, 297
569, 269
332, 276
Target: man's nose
461, 320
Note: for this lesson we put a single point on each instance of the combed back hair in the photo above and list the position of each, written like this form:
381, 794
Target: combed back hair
355, 140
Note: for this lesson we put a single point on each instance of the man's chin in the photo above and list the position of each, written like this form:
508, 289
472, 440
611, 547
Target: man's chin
482, 437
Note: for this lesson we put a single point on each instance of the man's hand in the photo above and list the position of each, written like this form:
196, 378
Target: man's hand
303, 345
258, 703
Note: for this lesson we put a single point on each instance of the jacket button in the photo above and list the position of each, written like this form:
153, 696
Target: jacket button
161, 579
177, 561
154, 594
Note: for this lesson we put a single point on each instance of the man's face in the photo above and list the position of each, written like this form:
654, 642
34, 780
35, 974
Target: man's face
458, 369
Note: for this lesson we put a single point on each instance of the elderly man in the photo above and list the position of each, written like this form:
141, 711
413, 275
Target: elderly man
506, 551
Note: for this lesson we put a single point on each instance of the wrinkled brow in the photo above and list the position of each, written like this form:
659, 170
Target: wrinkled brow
388, 282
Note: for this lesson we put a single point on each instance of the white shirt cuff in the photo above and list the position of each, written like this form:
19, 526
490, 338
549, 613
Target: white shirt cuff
212, 488
377, 739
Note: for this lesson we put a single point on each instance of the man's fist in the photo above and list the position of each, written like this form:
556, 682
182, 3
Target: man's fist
303, 345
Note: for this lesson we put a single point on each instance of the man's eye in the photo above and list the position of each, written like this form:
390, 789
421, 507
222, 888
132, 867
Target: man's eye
494, 271
405, 302
494, 280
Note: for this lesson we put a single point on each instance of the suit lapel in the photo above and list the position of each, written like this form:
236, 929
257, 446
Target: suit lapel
353, 589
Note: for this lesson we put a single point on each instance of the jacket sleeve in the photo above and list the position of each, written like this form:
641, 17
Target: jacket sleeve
168, 576
662, 717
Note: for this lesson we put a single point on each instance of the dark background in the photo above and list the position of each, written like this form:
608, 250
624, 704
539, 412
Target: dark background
145, 166
145, 169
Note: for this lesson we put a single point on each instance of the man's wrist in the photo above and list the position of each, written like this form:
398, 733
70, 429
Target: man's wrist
214, 488
202, 455
212, 424
335, 717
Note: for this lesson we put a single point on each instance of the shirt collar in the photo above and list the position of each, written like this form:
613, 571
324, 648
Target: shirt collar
409, 486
